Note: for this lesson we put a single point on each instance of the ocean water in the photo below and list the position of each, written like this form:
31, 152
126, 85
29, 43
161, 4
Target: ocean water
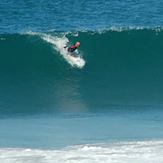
107, 110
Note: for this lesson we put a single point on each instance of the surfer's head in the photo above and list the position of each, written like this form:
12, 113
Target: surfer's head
77, 44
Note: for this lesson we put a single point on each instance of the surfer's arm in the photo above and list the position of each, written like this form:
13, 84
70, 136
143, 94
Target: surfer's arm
66, 46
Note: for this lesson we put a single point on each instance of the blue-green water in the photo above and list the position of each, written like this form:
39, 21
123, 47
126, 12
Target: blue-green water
109, 110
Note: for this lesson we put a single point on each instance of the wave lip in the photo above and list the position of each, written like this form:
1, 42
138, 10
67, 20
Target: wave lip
121, 152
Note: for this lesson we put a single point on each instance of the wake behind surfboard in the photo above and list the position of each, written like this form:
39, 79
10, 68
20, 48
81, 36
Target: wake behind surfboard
74, 59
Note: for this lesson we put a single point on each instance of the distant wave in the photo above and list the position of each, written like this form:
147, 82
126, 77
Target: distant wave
122, 152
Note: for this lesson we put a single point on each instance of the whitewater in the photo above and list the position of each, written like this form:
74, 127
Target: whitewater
121, 152
59, 44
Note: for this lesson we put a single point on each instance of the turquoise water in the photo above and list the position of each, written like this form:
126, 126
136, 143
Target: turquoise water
109, 110
59, 131
123, 68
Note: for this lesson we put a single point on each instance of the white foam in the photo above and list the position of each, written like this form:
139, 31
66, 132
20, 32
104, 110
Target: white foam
122, 152
59, 43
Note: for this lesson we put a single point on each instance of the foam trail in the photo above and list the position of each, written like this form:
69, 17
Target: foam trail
122, 152
59, 43
59, 46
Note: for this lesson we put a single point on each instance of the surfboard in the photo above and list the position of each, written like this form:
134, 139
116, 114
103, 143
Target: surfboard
74, 59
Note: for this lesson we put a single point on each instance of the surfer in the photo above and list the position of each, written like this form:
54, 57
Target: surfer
72, 48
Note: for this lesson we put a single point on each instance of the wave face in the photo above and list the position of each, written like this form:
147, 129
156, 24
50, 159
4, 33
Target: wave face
123, 67
147, 151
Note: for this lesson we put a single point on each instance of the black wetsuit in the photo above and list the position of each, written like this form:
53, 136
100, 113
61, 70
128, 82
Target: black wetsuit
72, 48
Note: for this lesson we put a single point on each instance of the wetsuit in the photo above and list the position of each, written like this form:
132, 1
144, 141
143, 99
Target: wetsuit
72, 48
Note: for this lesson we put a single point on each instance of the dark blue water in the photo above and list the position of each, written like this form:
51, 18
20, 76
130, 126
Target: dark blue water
111, 108
40, 15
